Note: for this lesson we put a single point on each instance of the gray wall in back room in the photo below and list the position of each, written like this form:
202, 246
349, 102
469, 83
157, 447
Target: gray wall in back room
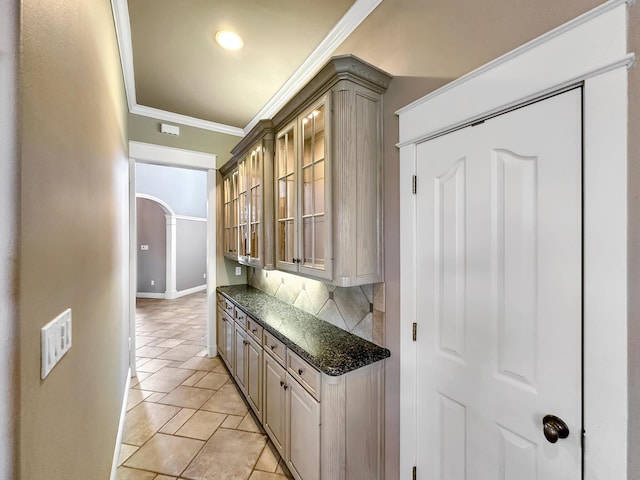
191, 253
152, 263
183, 189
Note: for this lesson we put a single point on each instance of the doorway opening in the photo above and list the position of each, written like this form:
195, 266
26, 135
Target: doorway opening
176, 253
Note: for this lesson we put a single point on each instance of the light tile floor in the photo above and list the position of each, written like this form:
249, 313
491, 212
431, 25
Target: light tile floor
185, 417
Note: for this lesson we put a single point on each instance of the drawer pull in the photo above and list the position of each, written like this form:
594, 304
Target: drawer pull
273, 347
281, 383
285, 386
244, 342
300, 371
254, 330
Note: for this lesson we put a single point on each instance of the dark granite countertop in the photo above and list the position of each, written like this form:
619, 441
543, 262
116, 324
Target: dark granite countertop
328, 348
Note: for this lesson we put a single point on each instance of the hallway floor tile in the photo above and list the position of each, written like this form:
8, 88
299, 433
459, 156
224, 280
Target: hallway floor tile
186, 419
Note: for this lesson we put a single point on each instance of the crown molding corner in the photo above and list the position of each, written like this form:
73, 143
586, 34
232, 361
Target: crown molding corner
358, 12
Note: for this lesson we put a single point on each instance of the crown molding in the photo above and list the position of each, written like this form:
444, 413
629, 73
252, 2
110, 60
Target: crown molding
186, 120
347, 24
123, 33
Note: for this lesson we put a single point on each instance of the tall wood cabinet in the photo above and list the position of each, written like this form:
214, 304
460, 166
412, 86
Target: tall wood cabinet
248, 199
329, 195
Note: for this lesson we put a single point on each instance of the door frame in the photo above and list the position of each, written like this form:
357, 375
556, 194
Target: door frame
573, 54
173, 157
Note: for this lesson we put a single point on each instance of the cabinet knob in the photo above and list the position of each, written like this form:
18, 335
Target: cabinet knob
285, 386
273, 347
300, 371
254, 330
281, 383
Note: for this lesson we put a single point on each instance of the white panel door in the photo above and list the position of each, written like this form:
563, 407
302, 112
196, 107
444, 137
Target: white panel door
498, 296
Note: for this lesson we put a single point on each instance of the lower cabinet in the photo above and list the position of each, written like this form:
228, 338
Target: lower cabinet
292, 420
240, 342
253, 377
274, 413
303, 439
221, 338
224, 340
324, 427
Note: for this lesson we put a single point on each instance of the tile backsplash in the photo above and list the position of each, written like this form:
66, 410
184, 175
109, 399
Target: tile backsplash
359, 310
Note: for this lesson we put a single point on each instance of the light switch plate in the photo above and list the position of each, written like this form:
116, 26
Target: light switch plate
55, 338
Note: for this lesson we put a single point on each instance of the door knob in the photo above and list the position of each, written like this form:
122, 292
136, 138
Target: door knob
554, 428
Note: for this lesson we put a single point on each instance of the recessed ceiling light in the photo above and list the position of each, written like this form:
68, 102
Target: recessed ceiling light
229, 40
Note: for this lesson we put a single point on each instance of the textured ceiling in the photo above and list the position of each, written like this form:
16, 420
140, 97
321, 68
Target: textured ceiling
180, 69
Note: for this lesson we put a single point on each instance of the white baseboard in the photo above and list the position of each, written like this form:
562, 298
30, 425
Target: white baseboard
150, 295
123, 412
171, 295
189, 291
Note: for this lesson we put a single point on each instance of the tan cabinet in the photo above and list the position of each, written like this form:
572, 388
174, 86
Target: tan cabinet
274, 414
321, 425
303, 231
303, 439
239, 362
230, 214
329, 196
225, 330
254, 375
248, 199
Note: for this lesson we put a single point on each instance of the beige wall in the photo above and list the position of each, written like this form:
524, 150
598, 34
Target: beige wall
8, 238
634, 248
417, 42
74, 230
147, 130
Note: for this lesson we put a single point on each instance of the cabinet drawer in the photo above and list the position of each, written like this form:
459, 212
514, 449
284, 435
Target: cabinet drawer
221, 302
275, 347
308, 376
228, 307
240, 317
254, 328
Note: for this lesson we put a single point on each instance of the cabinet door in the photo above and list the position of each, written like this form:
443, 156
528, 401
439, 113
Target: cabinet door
315, 192
220, 333
254, 376
230, 214
303, 445
254, 184
243, 211
286, 235
274, 405
239, 367
229, 331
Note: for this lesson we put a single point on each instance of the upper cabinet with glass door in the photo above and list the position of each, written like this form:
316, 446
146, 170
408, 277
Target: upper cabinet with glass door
230, 214
254, 156
329, 222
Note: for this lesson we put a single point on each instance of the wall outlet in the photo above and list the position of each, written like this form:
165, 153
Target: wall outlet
144, 247
55, 340
153, 282
238, 271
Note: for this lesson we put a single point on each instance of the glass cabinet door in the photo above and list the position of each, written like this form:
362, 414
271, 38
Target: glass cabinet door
255, 159
286, 198
233, 240
228, 219
313, 165
243, 209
